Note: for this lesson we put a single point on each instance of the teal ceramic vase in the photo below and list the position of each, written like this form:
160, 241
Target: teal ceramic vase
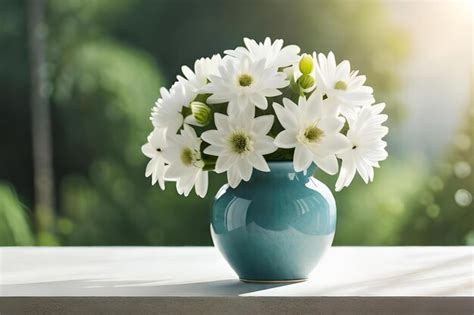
275, 227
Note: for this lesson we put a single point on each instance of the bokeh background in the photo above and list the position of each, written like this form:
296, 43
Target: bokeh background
99, 74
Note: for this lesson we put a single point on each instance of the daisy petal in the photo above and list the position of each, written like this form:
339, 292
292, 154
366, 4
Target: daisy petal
302, 158
263, 124
286, 139
346, 175
202, 184
224, 162
259, 162
328, 164
233, 177
212, 137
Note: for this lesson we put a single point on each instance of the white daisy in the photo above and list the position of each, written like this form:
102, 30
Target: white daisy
314, 136
185, 162
245, 84
274, 54
166, 114
239, 143
203, 67
156, 167
367, 147
344, 89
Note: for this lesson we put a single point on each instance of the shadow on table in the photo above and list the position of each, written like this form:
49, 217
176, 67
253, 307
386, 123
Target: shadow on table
217, 288
103, 287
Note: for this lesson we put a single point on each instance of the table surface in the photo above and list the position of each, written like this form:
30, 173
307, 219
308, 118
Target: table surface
201, 271
190, 280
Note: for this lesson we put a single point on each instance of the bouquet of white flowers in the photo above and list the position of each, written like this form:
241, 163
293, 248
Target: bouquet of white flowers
221, 117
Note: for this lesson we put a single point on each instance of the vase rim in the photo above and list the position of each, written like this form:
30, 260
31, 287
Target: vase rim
280, 162
285, 167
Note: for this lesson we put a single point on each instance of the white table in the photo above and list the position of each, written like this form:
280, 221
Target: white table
197, 280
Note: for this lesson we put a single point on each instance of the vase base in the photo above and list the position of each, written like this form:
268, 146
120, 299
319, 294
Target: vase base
273, 281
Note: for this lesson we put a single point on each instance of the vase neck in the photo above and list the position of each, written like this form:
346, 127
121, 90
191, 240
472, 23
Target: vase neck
282, 170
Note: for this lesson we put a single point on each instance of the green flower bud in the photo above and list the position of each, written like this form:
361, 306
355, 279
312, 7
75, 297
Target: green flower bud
306, 64
201, 112
306, 81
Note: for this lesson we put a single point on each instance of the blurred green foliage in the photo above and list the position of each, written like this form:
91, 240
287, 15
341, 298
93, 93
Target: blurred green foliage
107, 60
14, 225
371, 214
443, 212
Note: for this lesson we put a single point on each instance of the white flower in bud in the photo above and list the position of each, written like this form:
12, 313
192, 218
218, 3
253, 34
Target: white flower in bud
306, 81
200, 114
306, 64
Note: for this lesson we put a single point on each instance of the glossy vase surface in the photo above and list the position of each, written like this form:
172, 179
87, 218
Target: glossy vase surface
275, 227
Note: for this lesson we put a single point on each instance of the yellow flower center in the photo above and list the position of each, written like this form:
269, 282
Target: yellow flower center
187, 156
340, 85
245, 80
311, 134
241, 143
